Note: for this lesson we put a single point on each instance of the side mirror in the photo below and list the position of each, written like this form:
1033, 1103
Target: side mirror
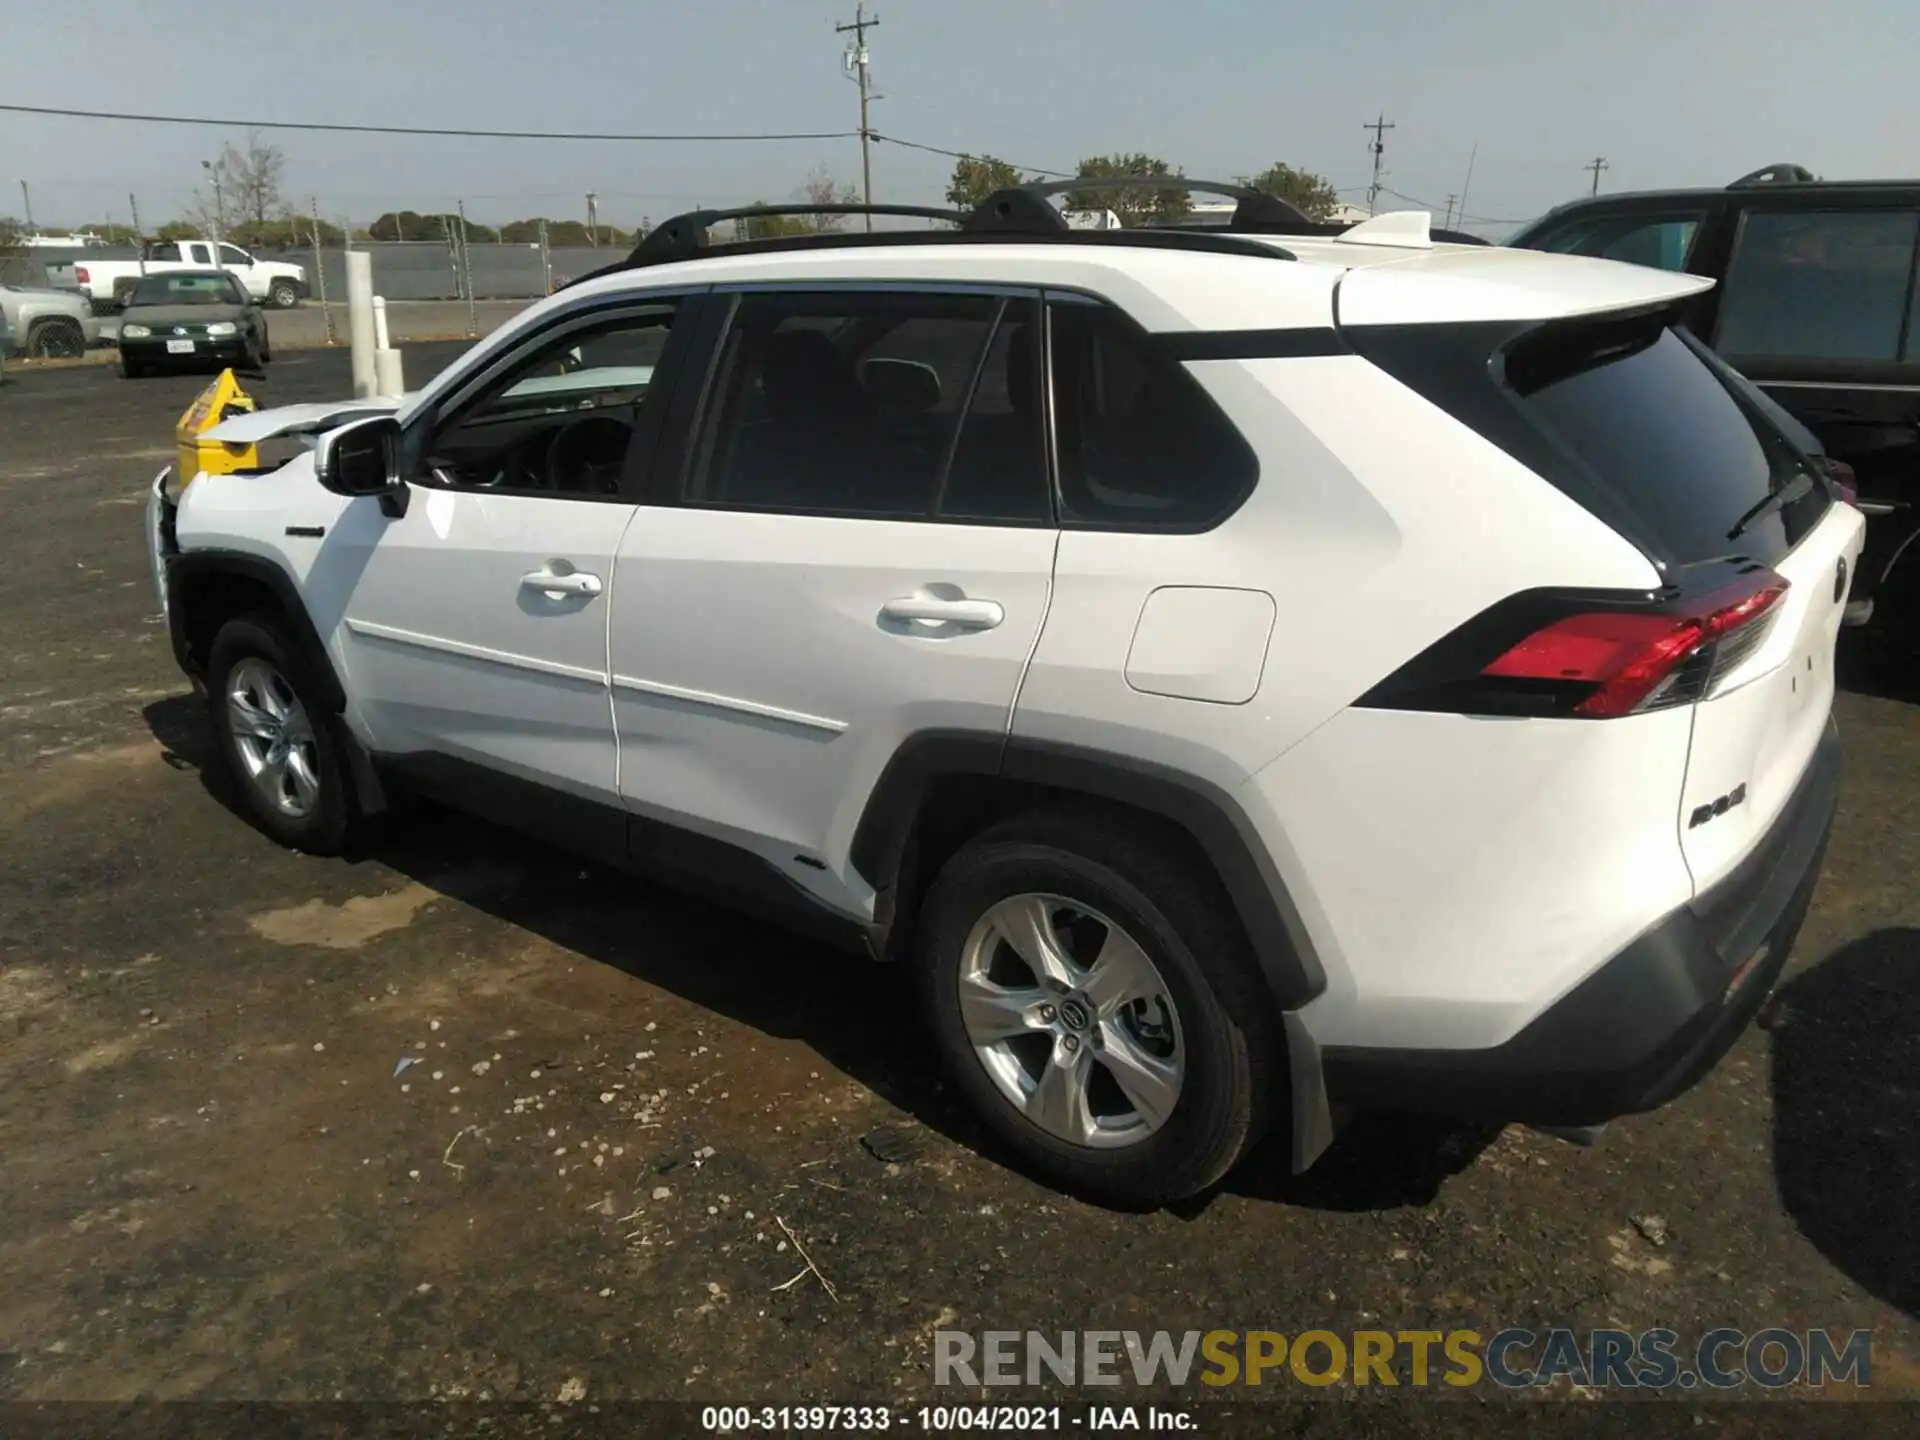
363, 458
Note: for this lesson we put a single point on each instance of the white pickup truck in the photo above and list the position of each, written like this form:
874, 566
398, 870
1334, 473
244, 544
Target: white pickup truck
107, 282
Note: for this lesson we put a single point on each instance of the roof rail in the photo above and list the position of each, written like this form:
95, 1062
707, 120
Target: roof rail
1020, 211
1781, 174
685, 236
1321, 229
1023, 209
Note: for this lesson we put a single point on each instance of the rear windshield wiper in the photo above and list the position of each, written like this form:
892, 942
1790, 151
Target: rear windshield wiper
1793, 490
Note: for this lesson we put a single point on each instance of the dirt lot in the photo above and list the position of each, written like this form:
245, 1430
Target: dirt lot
628, 1111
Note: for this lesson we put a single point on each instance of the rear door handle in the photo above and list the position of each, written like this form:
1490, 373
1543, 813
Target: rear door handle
556, 585
965, 614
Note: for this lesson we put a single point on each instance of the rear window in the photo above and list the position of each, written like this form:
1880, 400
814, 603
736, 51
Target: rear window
1633, 419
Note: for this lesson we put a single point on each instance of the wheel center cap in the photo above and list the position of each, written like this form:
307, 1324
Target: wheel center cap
1075, 1013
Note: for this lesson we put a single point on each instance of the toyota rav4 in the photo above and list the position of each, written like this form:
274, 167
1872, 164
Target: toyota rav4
1247, 675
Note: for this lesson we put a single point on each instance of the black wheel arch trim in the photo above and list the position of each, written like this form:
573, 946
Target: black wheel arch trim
192, 567
884, 838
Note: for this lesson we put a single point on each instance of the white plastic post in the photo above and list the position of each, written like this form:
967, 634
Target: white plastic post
387, 376
380, 341
360, 321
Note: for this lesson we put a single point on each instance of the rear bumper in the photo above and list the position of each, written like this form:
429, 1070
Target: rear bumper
1649, 1023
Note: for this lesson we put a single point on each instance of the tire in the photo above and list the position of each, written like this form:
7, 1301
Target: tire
255, 673
283, 294
1209, 1025
56, 340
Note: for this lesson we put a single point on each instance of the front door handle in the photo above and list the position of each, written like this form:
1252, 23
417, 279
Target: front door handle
965, 614
556, 585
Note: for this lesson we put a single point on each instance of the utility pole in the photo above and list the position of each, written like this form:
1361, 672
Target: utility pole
219, 208
466, 273
1379, 127
139, 240
859, 67
1598, 164
593, 218
26, 199
320, 267
1447, 224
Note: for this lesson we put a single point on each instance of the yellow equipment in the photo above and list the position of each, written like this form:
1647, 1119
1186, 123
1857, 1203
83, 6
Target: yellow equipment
220, 401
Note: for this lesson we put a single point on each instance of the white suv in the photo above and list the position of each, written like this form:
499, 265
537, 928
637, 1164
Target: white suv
1246, 675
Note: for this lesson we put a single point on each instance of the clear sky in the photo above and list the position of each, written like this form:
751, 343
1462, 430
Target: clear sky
1671, 92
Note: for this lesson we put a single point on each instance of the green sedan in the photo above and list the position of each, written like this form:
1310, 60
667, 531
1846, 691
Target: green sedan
190, 319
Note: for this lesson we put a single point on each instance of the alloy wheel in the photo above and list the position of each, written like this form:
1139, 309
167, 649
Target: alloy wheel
273, 738
1072, 1021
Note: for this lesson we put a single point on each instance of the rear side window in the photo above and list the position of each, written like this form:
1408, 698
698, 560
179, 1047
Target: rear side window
1141, 445
889, 406
1630, 417
1830, 285
1661, 241
1647, 416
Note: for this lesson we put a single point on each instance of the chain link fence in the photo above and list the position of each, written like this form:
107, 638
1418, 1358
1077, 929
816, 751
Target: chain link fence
403, 270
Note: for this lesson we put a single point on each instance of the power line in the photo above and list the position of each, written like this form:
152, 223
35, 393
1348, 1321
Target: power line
1429, 205
973, 155
414, 129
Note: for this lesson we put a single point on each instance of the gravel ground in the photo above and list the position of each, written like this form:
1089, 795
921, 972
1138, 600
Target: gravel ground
462, 1118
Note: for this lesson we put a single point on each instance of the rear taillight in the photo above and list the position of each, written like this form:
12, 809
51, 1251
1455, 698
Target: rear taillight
1590, 658
1639, 662
80, 274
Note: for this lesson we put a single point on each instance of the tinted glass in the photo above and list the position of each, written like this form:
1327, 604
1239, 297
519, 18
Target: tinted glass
230, 255
1140, 443
1818, 284
883, 405
562, 422
187, 290
1660, 241
1640, 425
1648, 416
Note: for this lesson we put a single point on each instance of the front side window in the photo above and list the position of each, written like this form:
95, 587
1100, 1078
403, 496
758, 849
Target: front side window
1140, 443
1660, 241
561, 423
1810, 284
234, 255
884, 405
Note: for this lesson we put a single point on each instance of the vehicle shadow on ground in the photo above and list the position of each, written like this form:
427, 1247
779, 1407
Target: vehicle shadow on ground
860, 1017
1859, 671
1846, 1110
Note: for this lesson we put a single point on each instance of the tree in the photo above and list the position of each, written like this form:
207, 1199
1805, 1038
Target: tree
406, 225
819, 189
13, 250
248, 192
111, 233
975, 177
182, 229
773, 227
1133, 206
1313, 195
289, 232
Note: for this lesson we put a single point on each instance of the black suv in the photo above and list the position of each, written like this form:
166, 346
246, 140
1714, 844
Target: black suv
1816, 303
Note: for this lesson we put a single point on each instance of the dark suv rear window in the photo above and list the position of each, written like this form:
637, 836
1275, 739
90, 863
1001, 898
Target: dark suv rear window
1632, 418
